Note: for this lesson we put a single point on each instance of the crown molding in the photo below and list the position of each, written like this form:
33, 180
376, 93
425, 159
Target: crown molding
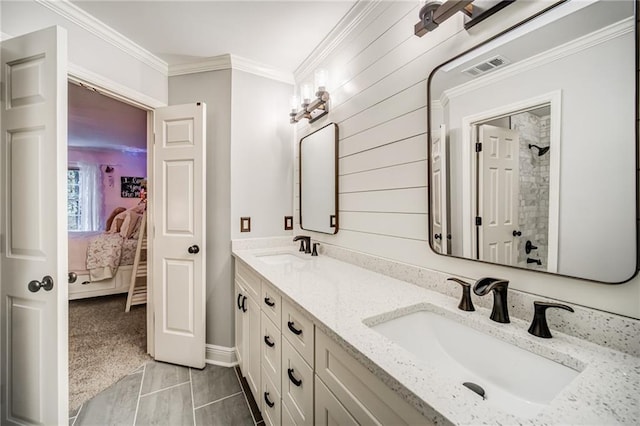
214, 63
585, 42
253, 67
349, 22
74, 14
229, 61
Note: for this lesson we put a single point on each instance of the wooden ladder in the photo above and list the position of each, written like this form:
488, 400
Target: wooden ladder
138, 284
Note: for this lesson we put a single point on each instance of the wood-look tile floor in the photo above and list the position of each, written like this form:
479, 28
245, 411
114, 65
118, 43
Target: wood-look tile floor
167, 394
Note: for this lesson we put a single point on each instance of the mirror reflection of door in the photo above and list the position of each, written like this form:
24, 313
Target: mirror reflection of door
439, 194
513, 189
498, 194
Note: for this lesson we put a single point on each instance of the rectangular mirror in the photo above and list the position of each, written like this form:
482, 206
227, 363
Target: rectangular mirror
532, 145
319, 180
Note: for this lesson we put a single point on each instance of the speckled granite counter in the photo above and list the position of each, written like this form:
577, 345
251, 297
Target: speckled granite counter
340, 298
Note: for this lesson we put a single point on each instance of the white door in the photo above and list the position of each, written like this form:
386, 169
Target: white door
498, 191
439, 191
179, 234
34, 229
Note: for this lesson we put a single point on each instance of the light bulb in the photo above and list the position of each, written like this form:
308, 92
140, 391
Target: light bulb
321, 76
305, 93
295, 103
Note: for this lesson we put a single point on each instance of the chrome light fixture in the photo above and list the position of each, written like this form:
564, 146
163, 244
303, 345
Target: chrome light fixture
310, 109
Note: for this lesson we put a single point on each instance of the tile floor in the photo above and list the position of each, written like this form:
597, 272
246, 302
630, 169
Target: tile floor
166, 394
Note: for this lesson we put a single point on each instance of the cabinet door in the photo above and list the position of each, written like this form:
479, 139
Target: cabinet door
297, 385
253, 343
328, 409
239, 317
271, 351
270, 405
298, 330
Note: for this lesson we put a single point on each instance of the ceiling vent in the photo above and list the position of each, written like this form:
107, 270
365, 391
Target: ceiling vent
486, 66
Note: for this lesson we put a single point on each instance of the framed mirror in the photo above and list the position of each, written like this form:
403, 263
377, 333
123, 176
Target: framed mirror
319, 180
533, 145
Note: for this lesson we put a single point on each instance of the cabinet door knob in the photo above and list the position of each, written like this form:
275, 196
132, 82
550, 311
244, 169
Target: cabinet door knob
293, 329
266, 399
269, 302
268, 342
244, 300
194, 249
238, 302
295, 381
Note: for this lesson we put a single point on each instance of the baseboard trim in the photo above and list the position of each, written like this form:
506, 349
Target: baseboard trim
220, 355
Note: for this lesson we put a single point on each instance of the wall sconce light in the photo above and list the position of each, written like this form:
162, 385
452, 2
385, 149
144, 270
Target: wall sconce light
434, 13
311, 109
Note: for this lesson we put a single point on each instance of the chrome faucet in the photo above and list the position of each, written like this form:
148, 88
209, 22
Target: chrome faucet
305, 243
483, 286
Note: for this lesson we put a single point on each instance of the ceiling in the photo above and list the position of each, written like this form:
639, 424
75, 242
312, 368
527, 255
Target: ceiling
280, 34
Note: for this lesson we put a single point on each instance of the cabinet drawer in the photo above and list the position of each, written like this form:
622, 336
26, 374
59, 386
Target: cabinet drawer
249, 280
271, 303
298, 330
328, 410
297, 385
270, 404
271, 351
365, 396
287, 418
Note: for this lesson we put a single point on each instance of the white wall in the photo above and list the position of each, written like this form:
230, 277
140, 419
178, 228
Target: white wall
378, 88
261, 155
214, 88
597, 171
88, 53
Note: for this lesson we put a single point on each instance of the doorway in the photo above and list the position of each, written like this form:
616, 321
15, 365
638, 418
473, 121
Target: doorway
107, 180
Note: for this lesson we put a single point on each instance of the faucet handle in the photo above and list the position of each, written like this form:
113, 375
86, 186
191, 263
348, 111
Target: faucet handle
466, 304
539, 326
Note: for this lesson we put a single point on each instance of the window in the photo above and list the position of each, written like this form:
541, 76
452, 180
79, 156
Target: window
73, 200
83, 197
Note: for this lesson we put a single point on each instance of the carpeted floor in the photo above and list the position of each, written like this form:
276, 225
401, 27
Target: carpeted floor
105, 344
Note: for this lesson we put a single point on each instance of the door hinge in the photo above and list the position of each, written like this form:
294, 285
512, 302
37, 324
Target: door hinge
478, 221
478, 146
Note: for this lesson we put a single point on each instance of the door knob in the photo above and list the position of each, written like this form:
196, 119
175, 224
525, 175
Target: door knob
516, 233
193, 249
47, 284
437, 237
72, 277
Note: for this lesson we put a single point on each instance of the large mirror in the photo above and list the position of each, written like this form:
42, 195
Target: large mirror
532, 145
319, 180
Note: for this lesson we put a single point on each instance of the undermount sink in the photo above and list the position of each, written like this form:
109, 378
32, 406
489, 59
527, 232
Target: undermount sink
281, 259
512, 379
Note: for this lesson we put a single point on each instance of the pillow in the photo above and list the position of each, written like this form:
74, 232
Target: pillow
113, 214
128, 227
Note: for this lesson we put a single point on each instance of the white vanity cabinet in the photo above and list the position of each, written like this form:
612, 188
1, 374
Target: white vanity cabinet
299, 375
248, 328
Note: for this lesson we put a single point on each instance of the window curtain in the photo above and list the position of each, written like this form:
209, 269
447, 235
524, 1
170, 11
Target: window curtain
90, 197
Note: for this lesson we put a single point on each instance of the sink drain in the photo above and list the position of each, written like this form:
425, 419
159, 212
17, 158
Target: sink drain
475, 388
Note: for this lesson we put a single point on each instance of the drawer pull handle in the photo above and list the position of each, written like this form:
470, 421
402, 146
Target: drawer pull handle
268, 301
292, 378
239, 297
244, 300
266, 399
268, 342
293, 329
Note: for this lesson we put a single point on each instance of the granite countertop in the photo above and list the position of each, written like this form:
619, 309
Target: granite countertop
342, 299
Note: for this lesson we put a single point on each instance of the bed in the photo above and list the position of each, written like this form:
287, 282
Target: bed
103, 261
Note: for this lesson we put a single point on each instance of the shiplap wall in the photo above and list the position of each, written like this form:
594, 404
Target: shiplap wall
378, 86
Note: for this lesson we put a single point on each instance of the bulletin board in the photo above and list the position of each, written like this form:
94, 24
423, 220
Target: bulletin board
130, 186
